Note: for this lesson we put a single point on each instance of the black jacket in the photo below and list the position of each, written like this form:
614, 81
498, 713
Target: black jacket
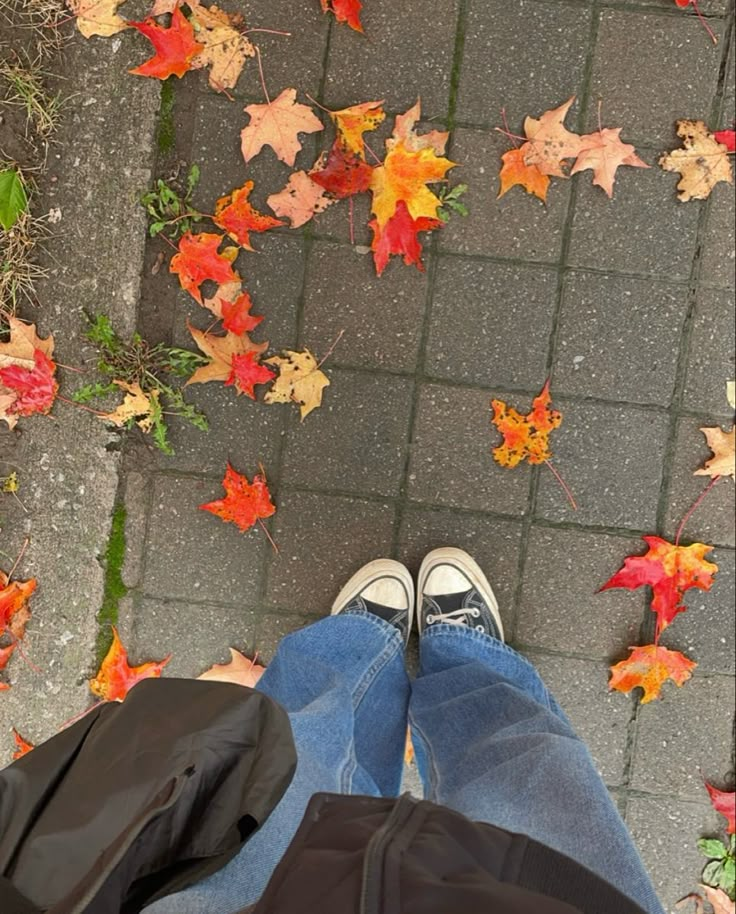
140, 799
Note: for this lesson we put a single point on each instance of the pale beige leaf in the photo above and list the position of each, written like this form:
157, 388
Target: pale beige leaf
300, 199
278, 125
22, 344
702, 162
137, 404
98, 17
6, 401
604, 152
731, 393
220, 349
228, 291
718, 899
551, 141
226, 48
300, 381
723, 445
405, 133
240, 671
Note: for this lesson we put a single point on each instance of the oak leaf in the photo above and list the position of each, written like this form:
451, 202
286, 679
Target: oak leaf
525, 437
550, 141
702, 163
724, 803
244, 502
723, 445
649, 667
300, 200
115, 677
246, 372
300, 381
35, 388
14, 609
198, 259
175, 46
670, 571
23, 747
98, 17
235, 215
137, 404
604, 152
516, 171
400, 236
221, 351
278, 124
224, 46
351, 123
240, 671
345, 11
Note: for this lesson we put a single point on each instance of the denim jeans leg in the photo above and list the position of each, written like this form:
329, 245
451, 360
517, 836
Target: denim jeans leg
492, 743
344, 685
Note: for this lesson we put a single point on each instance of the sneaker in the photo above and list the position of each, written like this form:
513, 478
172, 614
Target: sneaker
451, 588
384, 588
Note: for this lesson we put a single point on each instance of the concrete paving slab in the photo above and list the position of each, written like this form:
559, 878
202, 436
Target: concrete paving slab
711, 356
490, 323
718, 255
560, 608
602, 354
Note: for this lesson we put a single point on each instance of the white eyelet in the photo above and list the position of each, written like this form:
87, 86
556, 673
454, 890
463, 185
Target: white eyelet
479, 628
476, 614
430, 620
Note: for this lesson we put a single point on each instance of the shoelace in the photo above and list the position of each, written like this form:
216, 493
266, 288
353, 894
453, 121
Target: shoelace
450, 619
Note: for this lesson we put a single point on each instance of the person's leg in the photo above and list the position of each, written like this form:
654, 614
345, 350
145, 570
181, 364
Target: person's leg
344, 685
492, 743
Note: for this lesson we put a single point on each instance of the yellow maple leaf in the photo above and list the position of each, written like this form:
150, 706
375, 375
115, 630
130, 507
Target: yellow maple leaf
300, 381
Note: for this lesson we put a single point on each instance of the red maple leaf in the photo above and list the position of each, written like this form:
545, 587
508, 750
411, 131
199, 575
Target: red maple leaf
36, 387
244, 503
116, 677
236, 316
175, 46
344, 174
400, 235
5, 655
246, 372
345, 11
670, 571
727, 137
198, 259
725, 804
238, 218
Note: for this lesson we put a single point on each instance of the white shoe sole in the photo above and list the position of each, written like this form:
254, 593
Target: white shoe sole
458, 558
368, 574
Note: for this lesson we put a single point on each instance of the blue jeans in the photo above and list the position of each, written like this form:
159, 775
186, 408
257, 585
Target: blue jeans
490, 742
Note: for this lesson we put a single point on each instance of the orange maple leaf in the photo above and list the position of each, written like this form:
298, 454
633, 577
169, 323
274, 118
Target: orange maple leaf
345, 11
115, 677
244, 503
238, 218
14, 610
5, 654
525, 437
198, 259
649, 667
300, 200
175, 46
23, 746
516, 171
278, 124
35, 388
670, 571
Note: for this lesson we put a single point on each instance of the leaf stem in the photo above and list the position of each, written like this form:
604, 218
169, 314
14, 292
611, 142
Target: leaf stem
87, 409
23, 548
331, 349
693, 508
268, 535
263, 78
506, 126
703, 22
564, 485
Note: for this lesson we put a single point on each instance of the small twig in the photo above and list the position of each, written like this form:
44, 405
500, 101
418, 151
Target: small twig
564, 485
268, 535
703, 22
15, 496
331, 349
71, 368
87, 409
267, 32
600, 125
23, 548
263, 78
506, 125
693, 508
29, 663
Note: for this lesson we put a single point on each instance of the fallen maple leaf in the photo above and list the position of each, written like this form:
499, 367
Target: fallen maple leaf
405, 132
702, 163
719, 900
198, 259
244, 503
115, 677
727, 138
604, 153
35, 388
670, 571
240, 671
6, 402
225, 47
246, 372
300, 381
221, 351
400, 236
300, 200
550, 141
343, 174
236, 316
351, 123
235, 215
14, 609
525, 437
175, 46
649, 667
516, 171
5, 654
137, 404
98, 17
277, 124
723, 445
409, 749
724, 803
345, 11
22, 345
23, 747
228, 291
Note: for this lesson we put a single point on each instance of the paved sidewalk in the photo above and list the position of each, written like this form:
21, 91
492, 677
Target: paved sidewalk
628, 304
